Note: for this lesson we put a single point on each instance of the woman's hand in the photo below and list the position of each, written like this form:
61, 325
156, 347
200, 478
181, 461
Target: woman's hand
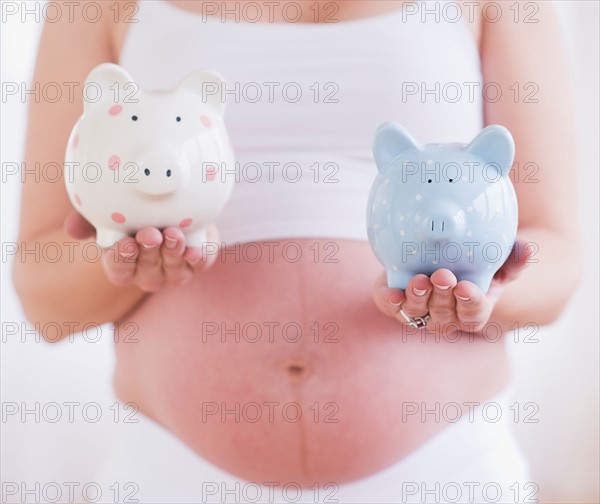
451, 305
151, 260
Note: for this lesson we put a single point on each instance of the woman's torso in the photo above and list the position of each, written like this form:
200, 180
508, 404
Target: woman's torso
284, 324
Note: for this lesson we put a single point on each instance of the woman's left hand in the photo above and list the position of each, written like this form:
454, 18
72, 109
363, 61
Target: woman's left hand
451, 305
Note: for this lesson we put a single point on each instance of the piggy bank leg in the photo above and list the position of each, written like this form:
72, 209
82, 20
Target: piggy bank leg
108, 237
197, 238
398, 279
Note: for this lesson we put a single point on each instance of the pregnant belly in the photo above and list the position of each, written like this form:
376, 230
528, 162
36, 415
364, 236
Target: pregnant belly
276, 366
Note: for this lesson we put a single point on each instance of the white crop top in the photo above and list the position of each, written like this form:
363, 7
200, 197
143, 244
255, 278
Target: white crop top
305, 100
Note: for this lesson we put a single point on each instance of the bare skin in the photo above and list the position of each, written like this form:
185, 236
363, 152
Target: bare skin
361, 380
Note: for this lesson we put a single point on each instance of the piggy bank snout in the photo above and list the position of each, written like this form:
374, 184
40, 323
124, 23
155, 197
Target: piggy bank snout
442, 221
160, 173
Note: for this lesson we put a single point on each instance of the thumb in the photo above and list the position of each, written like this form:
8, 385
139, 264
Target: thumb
77, 227
517, 261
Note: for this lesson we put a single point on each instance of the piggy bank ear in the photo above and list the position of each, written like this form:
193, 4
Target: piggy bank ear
206, 84
105, 85
494, 145
391, 140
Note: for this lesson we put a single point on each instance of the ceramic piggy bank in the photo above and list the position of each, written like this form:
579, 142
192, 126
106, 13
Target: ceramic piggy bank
139, 158
442, 205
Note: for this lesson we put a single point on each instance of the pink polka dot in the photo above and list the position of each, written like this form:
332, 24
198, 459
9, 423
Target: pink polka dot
118, 218
206, 121
185, 223
78, 199
113, 162
211, 173
114, 110
75, 141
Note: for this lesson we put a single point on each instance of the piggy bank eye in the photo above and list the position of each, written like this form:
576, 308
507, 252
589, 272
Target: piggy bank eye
134, 118
178, 119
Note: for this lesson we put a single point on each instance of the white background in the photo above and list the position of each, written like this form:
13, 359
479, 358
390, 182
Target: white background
560, 372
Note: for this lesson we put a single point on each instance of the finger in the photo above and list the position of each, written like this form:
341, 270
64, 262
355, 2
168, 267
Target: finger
200, 259
473, 309
518, 259
77, 227
120, 261
442, 303
176, 270
149, 274
387, 300
418, 292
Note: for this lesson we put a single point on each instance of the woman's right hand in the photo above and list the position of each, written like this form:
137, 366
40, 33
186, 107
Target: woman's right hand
152, 260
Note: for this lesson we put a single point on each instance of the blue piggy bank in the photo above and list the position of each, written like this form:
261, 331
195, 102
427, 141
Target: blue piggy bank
438, 206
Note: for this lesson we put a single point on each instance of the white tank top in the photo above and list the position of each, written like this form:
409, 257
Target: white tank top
305, 100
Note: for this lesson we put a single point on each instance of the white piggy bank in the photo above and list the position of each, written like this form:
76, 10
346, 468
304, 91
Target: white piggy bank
149, 158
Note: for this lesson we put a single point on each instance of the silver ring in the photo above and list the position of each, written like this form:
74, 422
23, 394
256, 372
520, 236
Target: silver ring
416, 322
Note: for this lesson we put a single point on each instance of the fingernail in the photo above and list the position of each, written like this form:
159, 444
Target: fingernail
464, 299
171, 243
443, 287
419, 292
395, 305
148, 246
194, 260
126, 255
